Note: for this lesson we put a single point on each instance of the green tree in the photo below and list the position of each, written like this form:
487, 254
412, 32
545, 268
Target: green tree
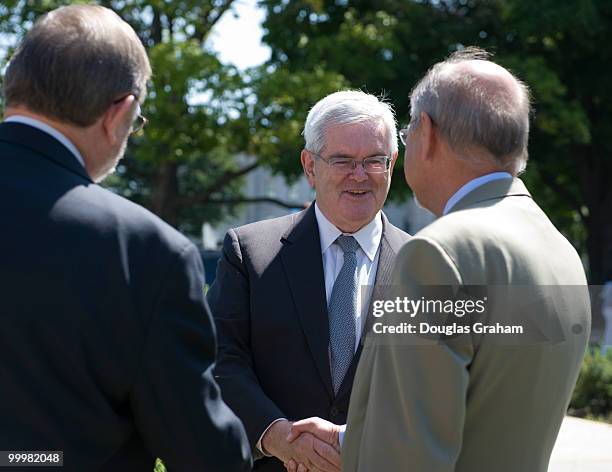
205, 118
558, 48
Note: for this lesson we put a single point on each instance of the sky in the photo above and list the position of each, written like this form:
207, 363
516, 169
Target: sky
237, 36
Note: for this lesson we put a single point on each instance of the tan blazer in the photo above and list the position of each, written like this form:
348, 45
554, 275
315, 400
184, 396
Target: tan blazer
478, 405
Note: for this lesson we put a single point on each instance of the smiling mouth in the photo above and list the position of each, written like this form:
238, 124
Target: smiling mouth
357, 192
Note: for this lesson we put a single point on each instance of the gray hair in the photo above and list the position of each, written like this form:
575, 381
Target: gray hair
344, 108
74, 63
480, 119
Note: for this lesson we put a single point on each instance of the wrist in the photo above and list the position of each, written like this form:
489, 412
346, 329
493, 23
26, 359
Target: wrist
275, 437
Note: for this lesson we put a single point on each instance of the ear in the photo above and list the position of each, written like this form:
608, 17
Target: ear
428, 137
116, 118
393, 161
308, 166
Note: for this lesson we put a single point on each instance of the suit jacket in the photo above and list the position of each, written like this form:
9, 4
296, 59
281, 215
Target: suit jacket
270, 306
107, 345
475, 405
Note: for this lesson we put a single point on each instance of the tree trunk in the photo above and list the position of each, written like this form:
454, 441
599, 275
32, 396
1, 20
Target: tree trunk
593, 177
156, 27
599, 240
165, 193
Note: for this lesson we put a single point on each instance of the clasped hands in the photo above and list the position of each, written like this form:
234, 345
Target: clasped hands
310, 445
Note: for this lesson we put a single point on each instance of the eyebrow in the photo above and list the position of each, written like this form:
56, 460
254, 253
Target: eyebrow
345, 156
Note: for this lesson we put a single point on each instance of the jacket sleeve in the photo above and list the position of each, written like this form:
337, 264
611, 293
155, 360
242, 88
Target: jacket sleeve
176, 402
229, 298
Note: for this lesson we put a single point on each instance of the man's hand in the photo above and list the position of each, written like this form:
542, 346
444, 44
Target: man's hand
310, 452
318, 427
321, 429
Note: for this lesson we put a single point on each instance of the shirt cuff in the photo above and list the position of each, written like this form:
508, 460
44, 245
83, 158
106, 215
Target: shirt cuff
259, 446
341, 434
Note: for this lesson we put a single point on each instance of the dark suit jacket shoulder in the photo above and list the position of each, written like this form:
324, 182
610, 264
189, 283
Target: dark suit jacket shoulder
258, 243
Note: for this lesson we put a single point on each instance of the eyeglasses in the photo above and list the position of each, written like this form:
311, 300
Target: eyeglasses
403, 134
371, 165
140, 121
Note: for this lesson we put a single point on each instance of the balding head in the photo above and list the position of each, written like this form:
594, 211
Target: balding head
479, 107
74, 63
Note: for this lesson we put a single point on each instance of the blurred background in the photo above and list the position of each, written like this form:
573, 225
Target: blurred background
234, 79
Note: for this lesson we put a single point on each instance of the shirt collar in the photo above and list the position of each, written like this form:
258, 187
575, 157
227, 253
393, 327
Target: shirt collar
472, 185
368, 237
26, 120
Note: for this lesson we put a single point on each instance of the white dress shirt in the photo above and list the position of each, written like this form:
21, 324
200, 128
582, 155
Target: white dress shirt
26, 120
471, 185
369, 238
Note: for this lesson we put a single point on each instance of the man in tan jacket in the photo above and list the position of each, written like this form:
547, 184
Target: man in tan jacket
477, 402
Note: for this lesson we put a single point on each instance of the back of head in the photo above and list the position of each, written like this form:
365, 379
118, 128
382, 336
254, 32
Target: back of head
346, 108
74, 63
479, 107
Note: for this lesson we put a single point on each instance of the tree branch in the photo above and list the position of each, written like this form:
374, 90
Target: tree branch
276, 201
208, 20
221, 182
221, 10
228, 176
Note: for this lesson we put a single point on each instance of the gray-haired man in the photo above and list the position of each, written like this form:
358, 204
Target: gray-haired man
287, 298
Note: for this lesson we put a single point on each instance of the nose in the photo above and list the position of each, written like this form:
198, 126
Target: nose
359, 174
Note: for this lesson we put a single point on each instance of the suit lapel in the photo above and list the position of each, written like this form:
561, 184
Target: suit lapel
303, 264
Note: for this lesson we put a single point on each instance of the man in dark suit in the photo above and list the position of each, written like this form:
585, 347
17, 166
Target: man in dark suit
107, 345
292, 294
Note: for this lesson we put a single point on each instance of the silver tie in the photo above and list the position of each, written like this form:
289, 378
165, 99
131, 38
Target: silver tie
342, 311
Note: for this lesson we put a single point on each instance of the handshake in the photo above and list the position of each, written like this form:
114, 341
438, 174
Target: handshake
310, 445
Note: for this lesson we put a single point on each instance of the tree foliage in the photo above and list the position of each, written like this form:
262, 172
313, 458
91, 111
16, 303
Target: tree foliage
557, 48
209, 123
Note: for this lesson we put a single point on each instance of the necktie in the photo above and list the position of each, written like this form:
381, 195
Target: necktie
342, 311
